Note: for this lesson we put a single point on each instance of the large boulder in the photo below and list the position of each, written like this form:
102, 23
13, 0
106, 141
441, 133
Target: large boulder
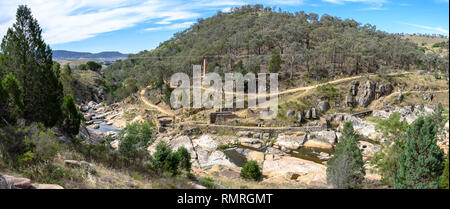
300, 116
314, 114
205, 141
350, 101
256, 156
321, 140
183, 141
363, 128
208, 158
251, 142
326, 136
368, 94
11, 182
308, 114
304, 171
290, 142
323, 106
368, 149
354, 88
290, 113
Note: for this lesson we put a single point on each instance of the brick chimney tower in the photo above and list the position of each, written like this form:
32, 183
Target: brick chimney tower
204, 67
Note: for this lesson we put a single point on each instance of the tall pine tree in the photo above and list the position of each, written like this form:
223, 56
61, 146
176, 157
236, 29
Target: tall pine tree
346, 168
444, 177
11, 105
420, 164
30, 60
275, 62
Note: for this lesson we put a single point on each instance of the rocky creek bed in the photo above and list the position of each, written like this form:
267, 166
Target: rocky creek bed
296, 157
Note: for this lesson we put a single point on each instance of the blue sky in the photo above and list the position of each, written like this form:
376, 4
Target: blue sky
130, 26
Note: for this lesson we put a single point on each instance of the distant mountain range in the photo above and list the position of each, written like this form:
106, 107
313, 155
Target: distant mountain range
102, 56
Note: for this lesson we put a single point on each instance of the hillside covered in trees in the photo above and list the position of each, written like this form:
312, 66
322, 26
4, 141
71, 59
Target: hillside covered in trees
244, 40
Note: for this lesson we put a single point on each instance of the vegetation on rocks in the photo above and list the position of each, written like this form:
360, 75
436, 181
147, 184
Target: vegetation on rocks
251, 171
346, 168
164, 159
420, 165
385, 161
135, 138
444, 177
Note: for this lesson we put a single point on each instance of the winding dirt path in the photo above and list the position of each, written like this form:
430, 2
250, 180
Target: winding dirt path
386, 98
148, 103
294, 90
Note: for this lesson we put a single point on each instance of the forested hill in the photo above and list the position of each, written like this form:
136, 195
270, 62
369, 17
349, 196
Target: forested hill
248, 38
70, 55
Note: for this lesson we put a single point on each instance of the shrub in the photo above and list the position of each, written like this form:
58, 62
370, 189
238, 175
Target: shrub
21, 146
275, 62
185, 158
11, 106
71, 116
208, 183
164, 159
251, 171
240, 68
444, 177
82, 67
346, 168
420, 164
135, 138
91, 65
385, 161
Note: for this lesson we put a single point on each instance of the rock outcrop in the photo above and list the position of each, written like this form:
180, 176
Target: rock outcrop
289, 167
323, 106
290, 142
367, 95
11, 182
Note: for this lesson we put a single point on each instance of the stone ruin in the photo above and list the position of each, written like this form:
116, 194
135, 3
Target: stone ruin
221, 117
163, 122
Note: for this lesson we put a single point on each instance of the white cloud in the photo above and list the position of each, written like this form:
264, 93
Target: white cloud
171, 27
66, 21
373, 4
429, 28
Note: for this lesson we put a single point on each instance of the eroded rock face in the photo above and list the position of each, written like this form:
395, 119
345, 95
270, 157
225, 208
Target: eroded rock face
300, 116
328, 137
323, 106
363, 128
251, 142
207, 159
183, 141
256, 156
205, 141
290, 142
368, 149
367, 94
290, 113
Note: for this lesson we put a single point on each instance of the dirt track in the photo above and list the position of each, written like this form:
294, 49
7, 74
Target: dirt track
294, 90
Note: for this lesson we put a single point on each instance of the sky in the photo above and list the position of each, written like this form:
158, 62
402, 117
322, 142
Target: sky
130, 26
